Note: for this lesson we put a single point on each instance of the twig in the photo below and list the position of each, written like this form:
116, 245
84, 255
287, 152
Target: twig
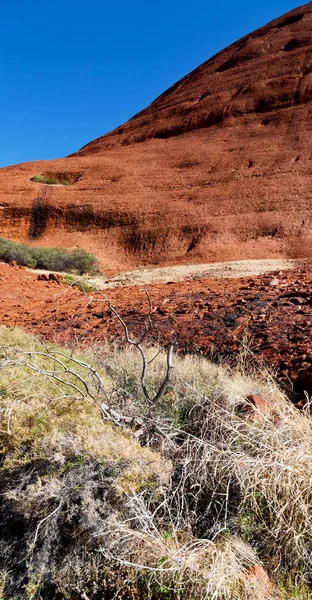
41, 523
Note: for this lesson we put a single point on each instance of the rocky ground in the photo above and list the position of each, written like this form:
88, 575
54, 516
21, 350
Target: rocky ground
267, 318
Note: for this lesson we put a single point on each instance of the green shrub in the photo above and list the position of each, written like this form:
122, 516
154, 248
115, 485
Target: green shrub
81, 284
83, 261
51, 259
49, 180
19, 252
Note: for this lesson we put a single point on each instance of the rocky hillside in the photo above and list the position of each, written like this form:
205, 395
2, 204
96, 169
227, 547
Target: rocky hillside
218, 167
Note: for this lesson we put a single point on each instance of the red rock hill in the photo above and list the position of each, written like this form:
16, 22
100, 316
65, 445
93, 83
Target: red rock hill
218, 167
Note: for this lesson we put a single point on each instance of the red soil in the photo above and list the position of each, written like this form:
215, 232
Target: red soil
209, 316
217, 168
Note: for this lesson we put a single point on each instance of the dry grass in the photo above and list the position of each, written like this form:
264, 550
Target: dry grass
259, 462
193, 504
237, 470
48, 413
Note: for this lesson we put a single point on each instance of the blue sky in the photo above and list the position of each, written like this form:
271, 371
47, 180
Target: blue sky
70, 71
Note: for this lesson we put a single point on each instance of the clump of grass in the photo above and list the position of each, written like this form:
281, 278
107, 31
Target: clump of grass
51, 259
49, 180
64, 471
294, 587
182, 566
50, 401
81, 284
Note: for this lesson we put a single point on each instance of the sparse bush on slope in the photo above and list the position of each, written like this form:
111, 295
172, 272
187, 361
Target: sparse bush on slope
89, 512
65, 178
52, 259
49, 180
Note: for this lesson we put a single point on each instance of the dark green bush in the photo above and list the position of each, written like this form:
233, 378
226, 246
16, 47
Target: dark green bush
19, 252
51, 259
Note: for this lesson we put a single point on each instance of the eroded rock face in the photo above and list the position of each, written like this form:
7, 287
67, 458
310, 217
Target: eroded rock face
217, 168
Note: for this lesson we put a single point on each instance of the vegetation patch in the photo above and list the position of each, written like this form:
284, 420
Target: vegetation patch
81, 284
51, 259
201, 495
56, 178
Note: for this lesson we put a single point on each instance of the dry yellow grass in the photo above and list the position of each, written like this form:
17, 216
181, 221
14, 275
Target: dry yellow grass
56, 421
212, 492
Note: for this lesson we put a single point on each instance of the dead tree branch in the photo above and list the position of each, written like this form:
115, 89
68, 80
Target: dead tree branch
70, 377
137, 343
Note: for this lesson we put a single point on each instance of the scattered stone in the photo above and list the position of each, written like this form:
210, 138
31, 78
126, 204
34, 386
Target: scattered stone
205, 317
43, 277
55, 277
297, 300
274, 281
261, 404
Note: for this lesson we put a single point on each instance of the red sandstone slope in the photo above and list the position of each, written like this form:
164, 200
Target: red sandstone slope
217, 168
264, 72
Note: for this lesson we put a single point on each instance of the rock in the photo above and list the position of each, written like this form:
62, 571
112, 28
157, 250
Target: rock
50, 277
43, 277
274, 281
98, 315
261, 404
55, 277
262, 581
303, 382
297, 300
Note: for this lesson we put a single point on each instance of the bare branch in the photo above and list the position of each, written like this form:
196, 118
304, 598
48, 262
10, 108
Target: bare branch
138, 345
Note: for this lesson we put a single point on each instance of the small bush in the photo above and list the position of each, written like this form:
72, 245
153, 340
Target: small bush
81, 284
51, 259
186, 163
19, 252
49, 180
65, 472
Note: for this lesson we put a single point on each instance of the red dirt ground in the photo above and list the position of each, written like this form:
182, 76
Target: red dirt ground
208, 316
217, 168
